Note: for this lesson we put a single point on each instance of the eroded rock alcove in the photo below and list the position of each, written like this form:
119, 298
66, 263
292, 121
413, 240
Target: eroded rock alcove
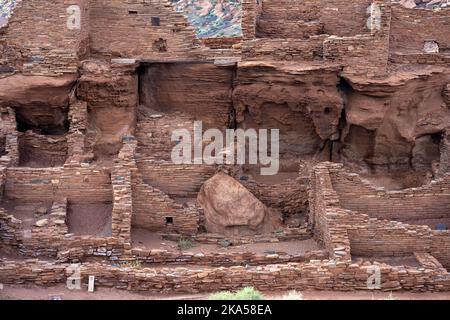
87, 114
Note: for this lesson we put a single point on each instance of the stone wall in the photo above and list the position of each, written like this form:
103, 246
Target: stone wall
76, 183
367, 235
77, 131
440, 247
250, 13
289, 196
217, 259
153, 209
416, 57
121, 181
40, 151
373, 237
411, 27
326, 217
285, 234
175, 180
124, 29
9, 229
290, 18
154, 133
365, 54
359, 47
356, 232
357, 54
8, 130
444, 165
156, 211
314, 275
424, 205
50, 238
284, 49
38, 40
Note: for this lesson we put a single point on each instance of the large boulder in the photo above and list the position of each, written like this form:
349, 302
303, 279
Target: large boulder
231, 210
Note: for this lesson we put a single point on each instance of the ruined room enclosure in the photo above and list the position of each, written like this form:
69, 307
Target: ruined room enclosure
42, 135
428, 205
306, 104
56, 202
174, 95
405, 229
90, 219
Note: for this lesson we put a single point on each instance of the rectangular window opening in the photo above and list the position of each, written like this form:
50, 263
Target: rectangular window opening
156, 22
169, 220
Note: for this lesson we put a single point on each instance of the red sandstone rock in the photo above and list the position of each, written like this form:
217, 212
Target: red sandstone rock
22, 90
337, 87
230, 209
387, 118
302, 100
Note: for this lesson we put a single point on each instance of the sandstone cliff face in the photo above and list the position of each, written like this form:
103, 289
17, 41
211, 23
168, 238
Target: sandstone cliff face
302, 101
396, 123
111, 93
19, 90
40, 102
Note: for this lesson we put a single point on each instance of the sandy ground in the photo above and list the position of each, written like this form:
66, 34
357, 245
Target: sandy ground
26, 211
82, 219
397, 181
90, 219
409, 260
37, 293
150, 240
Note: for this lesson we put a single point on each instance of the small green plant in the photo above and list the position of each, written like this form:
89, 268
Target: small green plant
293, 295
248, 293
185, 244
224, 243
391, 297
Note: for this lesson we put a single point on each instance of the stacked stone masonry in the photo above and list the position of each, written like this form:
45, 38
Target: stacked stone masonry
121, 75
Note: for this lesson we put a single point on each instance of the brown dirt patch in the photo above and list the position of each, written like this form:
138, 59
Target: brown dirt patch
90, 219
151, 240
